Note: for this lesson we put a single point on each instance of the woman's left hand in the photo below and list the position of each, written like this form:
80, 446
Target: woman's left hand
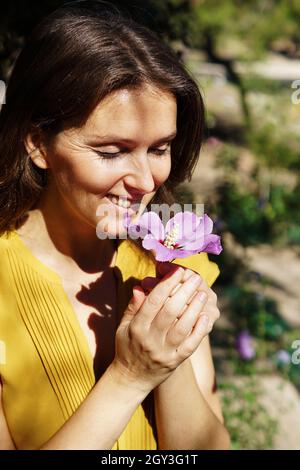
210, 307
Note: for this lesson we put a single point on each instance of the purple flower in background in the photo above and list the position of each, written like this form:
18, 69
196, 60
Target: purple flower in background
185, 234
245, 346
213, 141
283, 357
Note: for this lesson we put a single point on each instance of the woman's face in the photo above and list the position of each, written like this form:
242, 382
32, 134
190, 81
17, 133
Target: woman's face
123, 149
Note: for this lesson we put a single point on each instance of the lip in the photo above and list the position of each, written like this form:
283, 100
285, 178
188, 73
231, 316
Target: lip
133, 201
129, 210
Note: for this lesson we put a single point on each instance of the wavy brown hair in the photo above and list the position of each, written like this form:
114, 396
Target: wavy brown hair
74, 58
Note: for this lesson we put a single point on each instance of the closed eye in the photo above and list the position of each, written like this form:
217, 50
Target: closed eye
160, 151
120, 154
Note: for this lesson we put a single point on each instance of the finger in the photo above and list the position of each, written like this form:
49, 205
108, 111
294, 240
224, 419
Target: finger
194, 339
134, 304
138, 295
148, 283
188, 273
163, 268
175, 304
213, 314
183, 327
158, 296
189, 302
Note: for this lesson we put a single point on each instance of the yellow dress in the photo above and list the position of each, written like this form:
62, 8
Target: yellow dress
48, 367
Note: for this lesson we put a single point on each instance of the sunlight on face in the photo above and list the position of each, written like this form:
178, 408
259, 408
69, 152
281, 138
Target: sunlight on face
123, 149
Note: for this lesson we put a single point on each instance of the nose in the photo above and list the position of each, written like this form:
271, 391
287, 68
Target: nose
140, 178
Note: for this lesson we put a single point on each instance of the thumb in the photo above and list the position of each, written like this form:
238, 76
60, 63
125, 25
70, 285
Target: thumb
138, 296
134, 304
148, 283
163, 268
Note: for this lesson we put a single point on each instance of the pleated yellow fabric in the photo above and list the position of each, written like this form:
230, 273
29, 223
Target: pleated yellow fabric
48, 370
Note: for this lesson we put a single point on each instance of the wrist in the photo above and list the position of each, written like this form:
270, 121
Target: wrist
176, 376
122, 377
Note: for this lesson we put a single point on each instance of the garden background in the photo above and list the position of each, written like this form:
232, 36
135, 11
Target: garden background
245, 56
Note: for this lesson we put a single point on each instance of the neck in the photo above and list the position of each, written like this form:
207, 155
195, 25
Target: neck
62, 233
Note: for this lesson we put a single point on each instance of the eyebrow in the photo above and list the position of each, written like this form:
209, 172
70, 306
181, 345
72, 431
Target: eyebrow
109, 139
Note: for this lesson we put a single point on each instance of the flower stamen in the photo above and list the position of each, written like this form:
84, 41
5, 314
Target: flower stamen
170, 240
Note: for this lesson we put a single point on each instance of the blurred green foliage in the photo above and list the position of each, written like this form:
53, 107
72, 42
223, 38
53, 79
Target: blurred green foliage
274, 147
266, 211
253, 219
255, 312
247, 420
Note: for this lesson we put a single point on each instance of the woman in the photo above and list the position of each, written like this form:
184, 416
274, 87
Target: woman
98, 108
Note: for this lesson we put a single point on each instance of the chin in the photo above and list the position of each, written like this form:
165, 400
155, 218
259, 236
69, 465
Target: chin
111, 229
110, 222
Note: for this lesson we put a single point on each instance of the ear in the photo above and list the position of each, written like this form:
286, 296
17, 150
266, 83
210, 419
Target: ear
36, 150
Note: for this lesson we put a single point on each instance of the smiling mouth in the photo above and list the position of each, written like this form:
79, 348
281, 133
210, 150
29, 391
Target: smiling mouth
120, 201
124, 203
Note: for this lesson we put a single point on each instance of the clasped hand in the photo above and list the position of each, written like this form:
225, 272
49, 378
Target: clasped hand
164, 323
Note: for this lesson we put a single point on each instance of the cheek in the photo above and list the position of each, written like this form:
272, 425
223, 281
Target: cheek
74, 173
161, 170
80, 175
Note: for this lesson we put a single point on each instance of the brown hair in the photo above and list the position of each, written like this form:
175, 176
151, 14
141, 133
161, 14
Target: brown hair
73, 58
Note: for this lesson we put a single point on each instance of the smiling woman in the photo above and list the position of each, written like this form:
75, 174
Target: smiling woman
99, 115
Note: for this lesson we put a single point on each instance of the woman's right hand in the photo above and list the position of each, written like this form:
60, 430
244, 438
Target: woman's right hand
158, 333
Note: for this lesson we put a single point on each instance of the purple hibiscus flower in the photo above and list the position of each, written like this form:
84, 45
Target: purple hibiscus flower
185, 234
244, 345
283, 357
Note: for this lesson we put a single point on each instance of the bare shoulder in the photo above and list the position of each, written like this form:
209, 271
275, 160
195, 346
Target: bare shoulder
6, 442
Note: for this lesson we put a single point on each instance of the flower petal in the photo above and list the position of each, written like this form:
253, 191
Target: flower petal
196, 229
213, 244
150, 221
187, 223
162, 253
183, 253
150, 243
208, 224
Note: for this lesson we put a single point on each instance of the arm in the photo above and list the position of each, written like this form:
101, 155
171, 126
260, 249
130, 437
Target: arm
143, 360
138, 367
204, 371
98, 422
187, 401
103, 415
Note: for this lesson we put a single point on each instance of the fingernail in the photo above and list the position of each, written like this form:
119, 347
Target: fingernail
194, 279
204, 321
201, 297
136, 289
